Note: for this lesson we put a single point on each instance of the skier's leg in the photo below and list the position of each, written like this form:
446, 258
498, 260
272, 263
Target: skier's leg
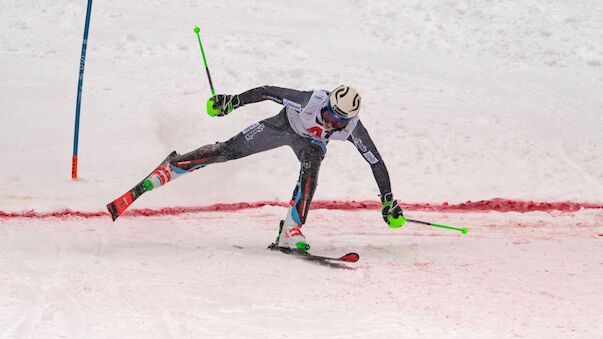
310, 156
259, 137
178, 165
262, 136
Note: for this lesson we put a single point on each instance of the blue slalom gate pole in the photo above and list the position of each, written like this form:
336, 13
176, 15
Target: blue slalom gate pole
76, 133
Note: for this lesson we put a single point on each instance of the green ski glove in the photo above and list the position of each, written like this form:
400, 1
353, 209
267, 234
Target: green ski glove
391, 211
222, 104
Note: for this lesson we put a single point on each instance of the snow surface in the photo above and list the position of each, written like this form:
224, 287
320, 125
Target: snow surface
466, 100
203, 275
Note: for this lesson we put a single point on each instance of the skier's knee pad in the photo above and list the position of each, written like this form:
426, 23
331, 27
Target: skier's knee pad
222, 151
311, 157
315, 151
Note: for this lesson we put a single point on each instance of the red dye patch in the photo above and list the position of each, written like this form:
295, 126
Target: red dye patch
493, 205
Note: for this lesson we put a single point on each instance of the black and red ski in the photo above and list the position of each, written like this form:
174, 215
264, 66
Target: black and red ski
348, 258
119, 205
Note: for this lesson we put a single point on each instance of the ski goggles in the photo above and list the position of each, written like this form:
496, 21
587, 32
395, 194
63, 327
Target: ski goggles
333, 118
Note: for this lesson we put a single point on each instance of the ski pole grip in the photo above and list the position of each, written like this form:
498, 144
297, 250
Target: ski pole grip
211, 111
395, 222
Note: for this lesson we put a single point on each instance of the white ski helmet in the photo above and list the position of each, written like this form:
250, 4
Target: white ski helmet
345, 101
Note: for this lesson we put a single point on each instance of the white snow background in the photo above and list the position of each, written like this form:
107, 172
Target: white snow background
466, 100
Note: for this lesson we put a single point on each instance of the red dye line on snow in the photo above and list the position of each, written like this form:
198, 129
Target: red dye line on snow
492, 205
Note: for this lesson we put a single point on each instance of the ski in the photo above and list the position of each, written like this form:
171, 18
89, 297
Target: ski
347, 258
119, 205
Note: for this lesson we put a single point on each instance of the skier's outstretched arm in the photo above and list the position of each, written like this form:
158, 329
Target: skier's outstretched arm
226, 103
390, 210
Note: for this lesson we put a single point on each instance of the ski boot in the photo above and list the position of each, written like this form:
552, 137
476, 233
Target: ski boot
161, 176
165, 173
290, 236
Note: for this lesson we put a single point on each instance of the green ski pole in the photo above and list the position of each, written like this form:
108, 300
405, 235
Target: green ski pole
463, 230
210, 103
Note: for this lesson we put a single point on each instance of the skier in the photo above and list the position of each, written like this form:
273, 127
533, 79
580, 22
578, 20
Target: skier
307, 122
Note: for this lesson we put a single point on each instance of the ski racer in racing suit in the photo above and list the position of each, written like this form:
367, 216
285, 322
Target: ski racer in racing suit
308, 121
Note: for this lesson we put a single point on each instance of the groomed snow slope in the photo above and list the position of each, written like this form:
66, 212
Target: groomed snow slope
209, 275
466, 100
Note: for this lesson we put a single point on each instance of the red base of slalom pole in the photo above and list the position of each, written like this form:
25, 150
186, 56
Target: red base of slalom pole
74, 167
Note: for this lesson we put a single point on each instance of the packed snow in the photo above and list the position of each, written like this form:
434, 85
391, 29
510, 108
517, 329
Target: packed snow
466, 100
